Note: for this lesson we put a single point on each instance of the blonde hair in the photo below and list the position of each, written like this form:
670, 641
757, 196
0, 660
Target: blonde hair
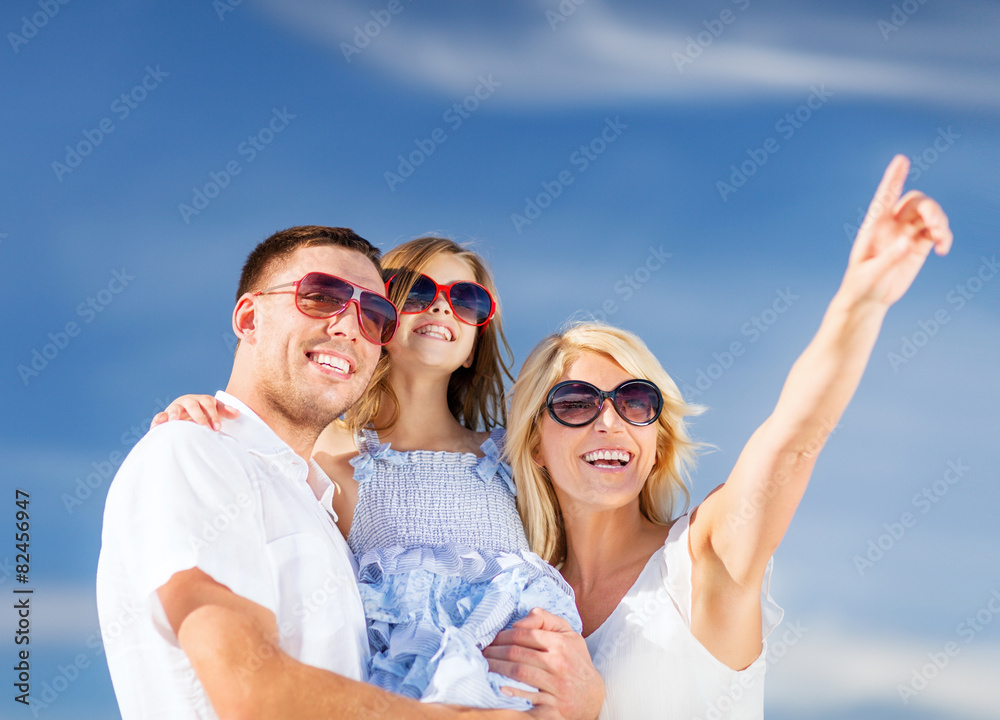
475, 393
675, 450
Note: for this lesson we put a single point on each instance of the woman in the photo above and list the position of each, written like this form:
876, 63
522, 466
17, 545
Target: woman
675, 610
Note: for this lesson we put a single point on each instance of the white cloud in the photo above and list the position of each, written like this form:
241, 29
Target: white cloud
601, 53
832, 669
823, 668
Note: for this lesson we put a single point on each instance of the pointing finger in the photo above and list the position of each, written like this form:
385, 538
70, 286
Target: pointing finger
891, 187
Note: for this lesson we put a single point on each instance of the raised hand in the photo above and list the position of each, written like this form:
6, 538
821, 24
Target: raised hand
895, 239
202, 409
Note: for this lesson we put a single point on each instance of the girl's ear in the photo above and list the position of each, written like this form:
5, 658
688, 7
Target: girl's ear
469, 360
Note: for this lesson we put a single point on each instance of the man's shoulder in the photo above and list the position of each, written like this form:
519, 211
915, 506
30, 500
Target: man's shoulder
184, 453
181, 437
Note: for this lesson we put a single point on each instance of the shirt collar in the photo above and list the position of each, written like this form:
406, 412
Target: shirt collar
259, 438
250, 430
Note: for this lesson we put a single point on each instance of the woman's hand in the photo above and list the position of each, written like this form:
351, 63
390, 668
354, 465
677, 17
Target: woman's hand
894, 240
202, 409
544, 651
739, 527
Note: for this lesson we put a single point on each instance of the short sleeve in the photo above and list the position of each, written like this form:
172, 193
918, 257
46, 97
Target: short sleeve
677, 558
187, 497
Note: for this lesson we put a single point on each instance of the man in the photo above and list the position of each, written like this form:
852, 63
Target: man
224, 588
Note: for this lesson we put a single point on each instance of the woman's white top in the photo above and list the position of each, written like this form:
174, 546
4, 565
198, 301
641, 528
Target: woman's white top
653, 667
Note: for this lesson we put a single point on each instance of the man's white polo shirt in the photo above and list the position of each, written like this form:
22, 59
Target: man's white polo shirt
242, 507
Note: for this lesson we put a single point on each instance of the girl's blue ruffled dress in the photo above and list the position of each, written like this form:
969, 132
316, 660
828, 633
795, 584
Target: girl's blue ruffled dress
444, 566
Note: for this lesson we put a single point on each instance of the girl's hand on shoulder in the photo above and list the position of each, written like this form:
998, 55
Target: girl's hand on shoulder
542, 650
202, 409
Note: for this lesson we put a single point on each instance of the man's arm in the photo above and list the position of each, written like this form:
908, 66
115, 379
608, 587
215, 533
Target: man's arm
232, 644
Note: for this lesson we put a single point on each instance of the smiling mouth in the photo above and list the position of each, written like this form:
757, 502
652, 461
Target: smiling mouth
607, 458
332, 362
435, 331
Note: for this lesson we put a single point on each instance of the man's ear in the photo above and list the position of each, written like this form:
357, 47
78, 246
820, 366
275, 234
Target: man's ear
245, 319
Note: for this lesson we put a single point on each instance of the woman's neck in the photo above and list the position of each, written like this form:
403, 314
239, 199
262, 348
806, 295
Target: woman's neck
606, 544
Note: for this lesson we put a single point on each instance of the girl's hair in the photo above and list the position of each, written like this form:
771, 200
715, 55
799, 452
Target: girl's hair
475, 393
675, 450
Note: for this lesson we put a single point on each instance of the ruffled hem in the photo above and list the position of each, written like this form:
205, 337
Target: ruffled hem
469, 564
456, 673
432, 610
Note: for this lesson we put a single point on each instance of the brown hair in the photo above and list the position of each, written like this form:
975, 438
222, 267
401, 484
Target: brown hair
265, 259
476, 393
675, 450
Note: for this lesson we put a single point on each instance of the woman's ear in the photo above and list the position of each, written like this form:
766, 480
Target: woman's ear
245, 319
536, 456
469, 360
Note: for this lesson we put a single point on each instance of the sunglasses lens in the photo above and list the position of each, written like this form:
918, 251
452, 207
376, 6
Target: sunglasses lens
378, 318
421, 295
575, 404
638, 402
322, 296
471, 302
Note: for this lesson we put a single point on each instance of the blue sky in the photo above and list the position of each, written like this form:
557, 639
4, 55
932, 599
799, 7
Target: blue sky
582, 151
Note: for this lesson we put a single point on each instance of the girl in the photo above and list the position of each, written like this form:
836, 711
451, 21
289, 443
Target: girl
427, 505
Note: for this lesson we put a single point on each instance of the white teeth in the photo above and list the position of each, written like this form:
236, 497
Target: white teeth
332, 361
599, 455
438, 331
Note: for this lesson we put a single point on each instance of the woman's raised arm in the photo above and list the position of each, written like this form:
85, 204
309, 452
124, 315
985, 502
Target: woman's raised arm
738, 528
